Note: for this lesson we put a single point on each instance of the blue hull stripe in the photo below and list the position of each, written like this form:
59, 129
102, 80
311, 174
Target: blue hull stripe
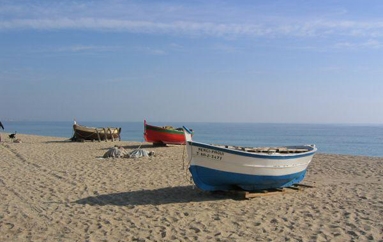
262, 156
214, 180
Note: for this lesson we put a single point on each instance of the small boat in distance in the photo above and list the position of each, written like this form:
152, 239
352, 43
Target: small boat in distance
82, 133
224, 168
163, 135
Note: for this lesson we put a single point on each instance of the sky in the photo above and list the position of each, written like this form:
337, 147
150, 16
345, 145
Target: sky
296, 61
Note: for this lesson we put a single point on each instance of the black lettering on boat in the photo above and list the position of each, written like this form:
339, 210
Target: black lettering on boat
209, 153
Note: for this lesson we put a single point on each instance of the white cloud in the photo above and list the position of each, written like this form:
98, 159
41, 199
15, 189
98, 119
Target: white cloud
371, 43
84, 48
225, 48
164, 18
266, 29
151, 51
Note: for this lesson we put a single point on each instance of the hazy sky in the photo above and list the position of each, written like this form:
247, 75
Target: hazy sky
209, 61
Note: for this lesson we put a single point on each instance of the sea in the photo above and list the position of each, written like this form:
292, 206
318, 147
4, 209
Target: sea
347, 139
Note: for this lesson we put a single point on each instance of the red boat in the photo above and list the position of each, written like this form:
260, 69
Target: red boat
163, 135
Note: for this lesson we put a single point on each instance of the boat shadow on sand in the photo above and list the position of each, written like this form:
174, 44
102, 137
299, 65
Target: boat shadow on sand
168, 195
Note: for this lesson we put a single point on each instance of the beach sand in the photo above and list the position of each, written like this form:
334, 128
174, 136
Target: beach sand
55, 190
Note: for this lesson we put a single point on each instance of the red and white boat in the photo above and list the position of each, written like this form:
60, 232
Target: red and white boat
163, 135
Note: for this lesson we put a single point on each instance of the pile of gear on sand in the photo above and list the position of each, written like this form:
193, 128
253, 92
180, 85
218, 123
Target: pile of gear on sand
12, 137
120, 152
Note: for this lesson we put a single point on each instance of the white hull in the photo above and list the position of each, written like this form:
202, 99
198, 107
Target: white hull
219, 168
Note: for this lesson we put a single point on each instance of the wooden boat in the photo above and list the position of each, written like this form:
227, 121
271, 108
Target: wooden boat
82, 133
224, 168
163, 135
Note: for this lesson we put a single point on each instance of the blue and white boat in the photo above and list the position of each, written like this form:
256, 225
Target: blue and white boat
223, 168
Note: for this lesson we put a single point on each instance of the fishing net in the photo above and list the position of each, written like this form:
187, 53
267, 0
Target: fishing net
120, 152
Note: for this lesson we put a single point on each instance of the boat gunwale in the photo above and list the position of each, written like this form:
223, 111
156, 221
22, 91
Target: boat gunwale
164, 130
275, 156
91, 129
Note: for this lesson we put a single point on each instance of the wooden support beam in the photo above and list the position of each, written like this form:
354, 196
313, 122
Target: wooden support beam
98, 135
262, 193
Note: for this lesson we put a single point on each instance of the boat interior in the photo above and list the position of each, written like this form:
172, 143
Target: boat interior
267, 150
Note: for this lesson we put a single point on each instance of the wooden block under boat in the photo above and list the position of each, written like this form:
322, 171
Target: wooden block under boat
262, 193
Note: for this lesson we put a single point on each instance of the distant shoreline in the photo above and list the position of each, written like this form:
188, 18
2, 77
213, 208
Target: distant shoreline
5, 139
330, 139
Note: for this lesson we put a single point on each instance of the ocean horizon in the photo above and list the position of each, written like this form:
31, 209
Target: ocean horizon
346, 139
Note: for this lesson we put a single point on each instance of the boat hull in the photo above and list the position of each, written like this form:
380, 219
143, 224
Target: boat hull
215, 168
160, 135
92, 133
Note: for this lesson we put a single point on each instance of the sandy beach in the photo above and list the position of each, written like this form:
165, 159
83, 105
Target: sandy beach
55, 190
